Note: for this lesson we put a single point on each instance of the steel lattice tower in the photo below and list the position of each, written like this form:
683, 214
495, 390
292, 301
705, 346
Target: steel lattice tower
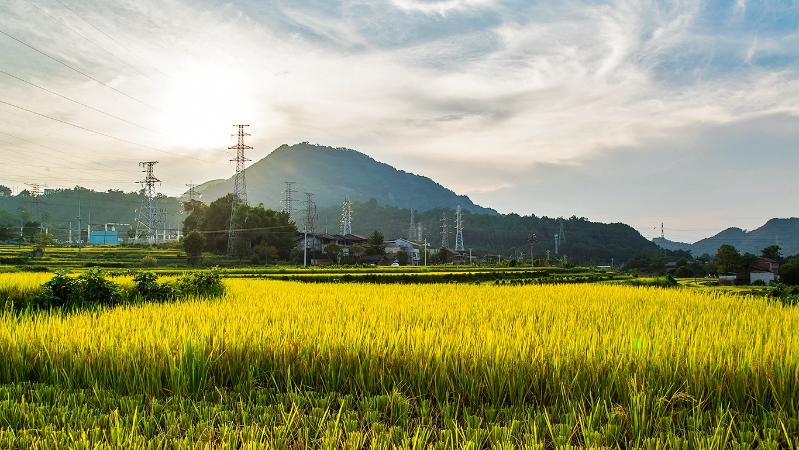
412, 229
444, 231
288, 201
561, 233
36, 192
459, 230
240, 186
310, 214
346, 217
147, 224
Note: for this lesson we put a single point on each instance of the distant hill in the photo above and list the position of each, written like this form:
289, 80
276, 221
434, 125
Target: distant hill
671, 245
586, 242
332, 174
58, 210
782, 231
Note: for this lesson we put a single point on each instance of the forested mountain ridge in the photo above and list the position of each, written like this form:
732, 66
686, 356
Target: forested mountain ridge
59, 207
506, 234
331, 174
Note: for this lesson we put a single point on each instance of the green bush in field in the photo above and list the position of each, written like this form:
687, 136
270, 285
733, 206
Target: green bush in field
148, 288
88, 289
201, 284
149, 261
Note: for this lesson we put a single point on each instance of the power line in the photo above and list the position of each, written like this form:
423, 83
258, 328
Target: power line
82, 73
109, 37
81, 104
106, 135
94, 43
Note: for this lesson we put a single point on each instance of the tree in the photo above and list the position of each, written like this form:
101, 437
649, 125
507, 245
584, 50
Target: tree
42, 240
443, 255
789, 274
334, 252
748, 259
193, 244
728, 258
402, 257
772, 252
376, 244
5, 191
356, 251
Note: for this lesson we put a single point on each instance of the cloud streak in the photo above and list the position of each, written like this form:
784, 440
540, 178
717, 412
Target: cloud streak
496, 89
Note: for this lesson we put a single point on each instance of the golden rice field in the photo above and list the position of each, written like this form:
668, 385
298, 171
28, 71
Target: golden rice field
288, 365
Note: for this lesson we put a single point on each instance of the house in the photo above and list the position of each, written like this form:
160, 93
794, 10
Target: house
410, 247
750, 274
770, 264
727, 279
315, 243
376, 260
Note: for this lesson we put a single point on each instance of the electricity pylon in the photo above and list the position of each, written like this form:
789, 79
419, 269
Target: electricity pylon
240, 184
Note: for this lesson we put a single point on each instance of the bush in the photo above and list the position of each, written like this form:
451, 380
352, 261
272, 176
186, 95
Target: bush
147, 288
149, 261
758, 283
89, 289
201, 284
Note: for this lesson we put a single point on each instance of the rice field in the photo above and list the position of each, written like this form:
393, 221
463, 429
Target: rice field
294, 365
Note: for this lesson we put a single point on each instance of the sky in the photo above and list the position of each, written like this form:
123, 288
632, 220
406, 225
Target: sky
643, 112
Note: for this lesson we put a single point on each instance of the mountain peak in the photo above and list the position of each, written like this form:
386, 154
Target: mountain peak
333, 173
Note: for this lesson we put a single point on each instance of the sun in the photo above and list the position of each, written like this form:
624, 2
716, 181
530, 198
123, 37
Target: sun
202, 106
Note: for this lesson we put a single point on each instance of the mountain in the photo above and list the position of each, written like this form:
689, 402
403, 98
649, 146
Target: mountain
331, 174
671, 245
586, 242
785, 232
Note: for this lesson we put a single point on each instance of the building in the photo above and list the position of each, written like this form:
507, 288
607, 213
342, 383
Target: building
315, 243
104, 238
413, 249
765, 269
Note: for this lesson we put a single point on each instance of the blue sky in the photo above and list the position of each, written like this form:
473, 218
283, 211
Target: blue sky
679, 112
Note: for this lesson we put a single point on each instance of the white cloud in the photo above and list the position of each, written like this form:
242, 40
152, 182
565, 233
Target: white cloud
503, 93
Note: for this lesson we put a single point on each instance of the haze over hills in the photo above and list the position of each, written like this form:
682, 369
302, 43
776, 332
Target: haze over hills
776, 231
332, 174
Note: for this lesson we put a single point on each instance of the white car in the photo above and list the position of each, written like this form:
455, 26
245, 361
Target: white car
395, 264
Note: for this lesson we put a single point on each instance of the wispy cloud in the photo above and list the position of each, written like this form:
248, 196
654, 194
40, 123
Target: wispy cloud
502, 87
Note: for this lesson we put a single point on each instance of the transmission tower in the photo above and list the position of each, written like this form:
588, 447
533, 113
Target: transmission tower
36, 192
147, 224
288, 201
419, 235
444, 231
310, 214
346, 217
562, 233
459, 230
557, 242
240, 185
412, 230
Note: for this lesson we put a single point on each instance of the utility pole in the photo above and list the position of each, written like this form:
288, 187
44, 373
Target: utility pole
458, 230
419, 231
470, 256
532, 238
309, 226
80, 218
346, 217
412, 230
240, 184
547, 255
444, 231
562, 233
425, 252
147, 224
288, 200
557, 241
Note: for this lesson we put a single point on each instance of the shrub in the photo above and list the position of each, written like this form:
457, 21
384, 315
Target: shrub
96, 290
201, 284
62, 290
147, 288
149, 261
